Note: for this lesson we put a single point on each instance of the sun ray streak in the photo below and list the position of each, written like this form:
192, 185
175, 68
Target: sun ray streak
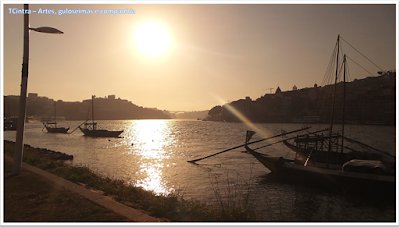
241, 117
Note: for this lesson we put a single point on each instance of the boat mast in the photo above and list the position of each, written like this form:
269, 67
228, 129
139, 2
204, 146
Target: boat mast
55, 114
344, 100
328, 157
93, 112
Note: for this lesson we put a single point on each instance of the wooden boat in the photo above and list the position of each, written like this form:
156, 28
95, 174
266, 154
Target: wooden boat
372, 173
331, 149
52, 126
326, 158
91, 130
10, 123
315, 149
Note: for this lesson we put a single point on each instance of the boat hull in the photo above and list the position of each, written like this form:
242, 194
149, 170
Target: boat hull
100, 133
289, 170
57, 130
270, 162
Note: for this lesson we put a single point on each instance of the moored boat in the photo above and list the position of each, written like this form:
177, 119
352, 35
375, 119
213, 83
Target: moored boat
331, 149
52, 126
10, 123
331, 158
91, 129
373, 173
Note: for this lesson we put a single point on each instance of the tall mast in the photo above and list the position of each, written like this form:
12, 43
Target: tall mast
344, 99
55, 114
328, 157
93, 111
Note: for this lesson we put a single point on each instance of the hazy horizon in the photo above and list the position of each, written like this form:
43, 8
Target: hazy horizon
202, 56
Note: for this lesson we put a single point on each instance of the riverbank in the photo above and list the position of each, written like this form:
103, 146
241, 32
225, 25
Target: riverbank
29, 197
171, 208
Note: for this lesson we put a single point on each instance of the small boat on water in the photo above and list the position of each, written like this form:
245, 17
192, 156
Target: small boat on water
10, 123
52, 126
327, 159
91, 129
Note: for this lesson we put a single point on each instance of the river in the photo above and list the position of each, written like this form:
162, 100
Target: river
153, 154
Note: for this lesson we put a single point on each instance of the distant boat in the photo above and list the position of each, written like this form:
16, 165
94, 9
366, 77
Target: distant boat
91, 130
306, 119
10, 123
52, 127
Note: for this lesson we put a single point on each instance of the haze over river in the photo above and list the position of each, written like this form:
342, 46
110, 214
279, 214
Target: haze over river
153, 154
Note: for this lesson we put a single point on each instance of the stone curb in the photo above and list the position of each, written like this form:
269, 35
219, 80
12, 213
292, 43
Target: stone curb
107, 202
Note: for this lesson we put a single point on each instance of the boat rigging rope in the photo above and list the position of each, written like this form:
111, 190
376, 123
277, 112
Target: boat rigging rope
360, 53
360, 66
78, 127
328, 73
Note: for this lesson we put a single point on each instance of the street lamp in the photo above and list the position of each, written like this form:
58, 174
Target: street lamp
24, 84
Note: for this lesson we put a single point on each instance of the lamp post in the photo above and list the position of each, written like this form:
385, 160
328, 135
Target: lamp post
24, 84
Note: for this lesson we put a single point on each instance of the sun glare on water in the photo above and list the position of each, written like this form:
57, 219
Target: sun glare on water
152, 39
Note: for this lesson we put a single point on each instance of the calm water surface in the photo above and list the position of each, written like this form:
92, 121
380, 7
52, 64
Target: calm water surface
153, 154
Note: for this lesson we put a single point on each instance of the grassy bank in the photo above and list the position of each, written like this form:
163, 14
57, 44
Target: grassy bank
31, 198
172, 207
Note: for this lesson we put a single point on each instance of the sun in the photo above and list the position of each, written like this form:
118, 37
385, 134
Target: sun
152, 39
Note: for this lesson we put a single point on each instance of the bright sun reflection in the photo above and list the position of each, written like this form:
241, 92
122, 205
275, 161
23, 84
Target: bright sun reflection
152, 137
149, 140
154, 181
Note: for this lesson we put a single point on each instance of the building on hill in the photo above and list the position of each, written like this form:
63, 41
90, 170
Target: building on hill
368, 101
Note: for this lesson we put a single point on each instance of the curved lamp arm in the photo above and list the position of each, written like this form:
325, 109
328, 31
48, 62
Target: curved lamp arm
47, 30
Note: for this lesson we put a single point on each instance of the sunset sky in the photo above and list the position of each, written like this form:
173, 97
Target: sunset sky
206, 54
